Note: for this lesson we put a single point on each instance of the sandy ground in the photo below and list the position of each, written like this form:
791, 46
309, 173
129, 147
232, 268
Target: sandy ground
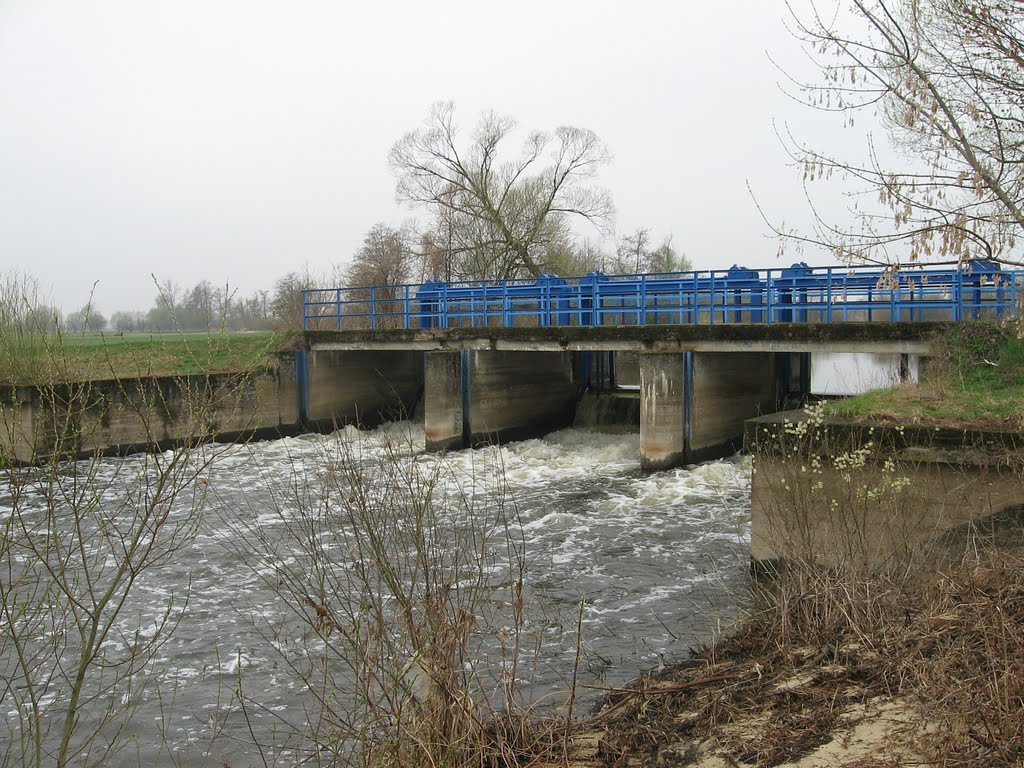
877, 734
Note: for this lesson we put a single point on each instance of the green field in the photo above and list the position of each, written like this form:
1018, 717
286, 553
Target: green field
976, 380
82, 357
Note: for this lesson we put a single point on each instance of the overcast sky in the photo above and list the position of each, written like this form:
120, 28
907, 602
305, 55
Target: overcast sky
237, 141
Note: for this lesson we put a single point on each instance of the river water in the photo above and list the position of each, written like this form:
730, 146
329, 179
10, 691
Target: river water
657, 562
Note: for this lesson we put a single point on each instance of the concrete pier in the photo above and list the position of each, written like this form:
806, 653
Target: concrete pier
663, 410
693, 405
443, 412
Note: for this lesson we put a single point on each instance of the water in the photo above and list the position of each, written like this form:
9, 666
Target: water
655, 560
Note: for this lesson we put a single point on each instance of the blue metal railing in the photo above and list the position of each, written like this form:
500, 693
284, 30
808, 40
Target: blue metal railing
799, 293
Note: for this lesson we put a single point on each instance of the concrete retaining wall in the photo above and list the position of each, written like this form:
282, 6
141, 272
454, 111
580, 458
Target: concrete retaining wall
813, 500
124, 415
361, 387
519, 395
476, 397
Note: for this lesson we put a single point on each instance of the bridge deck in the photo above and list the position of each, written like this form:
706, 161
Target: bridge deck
898, 337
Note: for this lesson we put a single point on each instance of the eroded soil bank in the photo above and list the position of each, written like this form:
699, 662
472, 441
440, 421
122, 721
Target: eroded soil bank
837, 670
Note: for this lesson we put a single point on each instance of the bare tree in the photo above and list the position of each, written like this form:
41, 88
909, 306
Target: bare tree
496, 218
384, 259
88, 318
27, 326
161, 317
946, 78
128, 321
635, 254
286, 300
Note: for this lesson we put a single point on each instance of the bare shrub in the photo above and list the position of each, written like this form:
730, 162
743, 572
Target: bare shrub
28, 329
878, 581
80, 532
836, 499
76, 539
413, 598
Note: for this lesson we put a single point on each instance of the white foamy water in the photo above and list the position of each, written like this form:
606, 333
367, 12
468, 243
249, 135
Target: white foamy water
656, 559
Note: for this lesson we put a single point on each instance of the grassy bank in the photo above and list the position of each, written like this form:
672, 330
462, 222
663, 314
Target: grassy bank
78, 357
976, 379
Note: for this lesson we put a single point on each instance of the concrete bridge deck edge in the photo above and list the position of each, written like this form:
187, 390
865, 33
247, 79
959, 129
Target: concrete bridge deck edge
902, 337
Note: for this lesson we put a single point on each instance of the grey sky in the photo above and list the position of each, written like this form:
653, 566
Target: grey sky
236, 141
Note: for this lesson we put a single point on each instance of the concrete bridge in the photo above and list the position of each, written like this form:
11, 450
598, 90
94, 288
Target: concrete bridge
698, 384
509, 360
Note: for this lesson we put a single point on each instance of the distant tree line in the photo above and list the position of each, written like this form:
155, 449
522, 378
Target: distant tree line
207, 307
202, 307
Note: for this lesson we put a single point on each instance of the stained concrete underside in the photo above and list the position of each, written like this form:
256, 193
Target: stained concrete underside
905, 338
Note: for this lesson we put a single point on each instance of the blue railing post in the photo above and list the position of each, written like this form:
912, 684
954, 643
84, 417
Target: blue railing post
711, 301
894, 302
337, 304
958, 296
695, 301
828, 297
641, 315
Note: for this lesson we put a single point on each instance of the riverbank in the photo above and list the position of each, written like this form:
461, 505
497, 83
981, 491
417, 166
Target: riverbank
886, 672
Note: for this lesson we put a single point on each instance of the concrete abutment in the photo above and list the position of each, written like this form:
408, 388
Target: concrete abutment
833, 492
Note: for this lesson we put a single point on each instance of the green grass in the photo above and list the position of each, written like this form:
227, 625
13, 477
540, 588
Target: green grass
105, 356
977, 379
